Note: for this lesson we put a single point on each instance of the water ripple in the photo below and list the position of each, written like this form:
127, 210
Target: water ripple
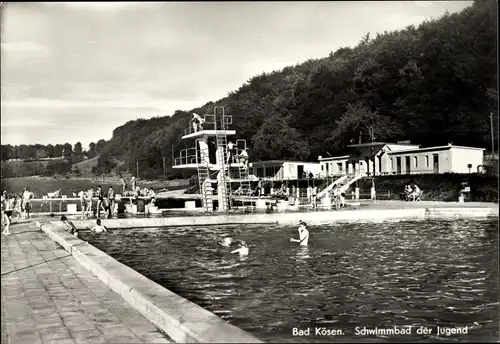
359, 274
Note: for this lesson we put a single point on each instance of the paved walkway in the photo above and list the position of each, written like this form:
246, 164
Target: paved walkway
48, 297
382, 204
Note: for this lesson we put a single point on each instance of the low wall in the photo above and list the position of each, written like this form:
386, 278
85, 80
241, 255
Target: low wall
179, 318
292, 218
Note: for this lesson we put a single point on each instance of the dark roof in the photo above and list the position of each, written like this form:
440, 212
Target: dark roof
281, 162
365, 150
369, 144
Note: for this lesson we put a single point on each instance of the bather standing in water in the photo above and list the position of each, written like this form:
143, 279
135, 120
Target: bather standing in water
242, 250
303, 234
98, 228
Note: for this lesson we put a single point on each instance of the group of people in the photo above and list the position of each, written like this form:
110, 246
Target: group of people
71, 228
13, 203
411, 193
135, 190
242, 247
105, 201
338, 198
234, 157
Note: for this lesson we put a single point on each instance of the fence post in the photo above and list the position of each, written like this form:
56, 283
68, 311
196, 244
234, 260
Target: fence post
60, 206
50, 206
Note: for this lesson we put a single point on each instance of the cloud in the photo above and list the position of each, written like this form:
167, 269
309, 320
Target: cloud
423, 3
98, 5
25, 48
85, 104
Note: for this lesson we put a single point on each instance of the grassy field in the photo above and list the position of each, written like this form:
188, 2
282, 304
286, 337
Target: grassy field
42, 185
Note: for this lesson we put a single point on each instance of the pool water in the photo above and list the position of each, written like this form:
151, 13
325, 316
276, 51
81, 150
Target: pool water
420, 273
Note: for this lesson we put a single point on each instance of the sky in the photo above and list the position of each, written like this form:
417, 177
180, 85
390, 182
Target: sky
75, 71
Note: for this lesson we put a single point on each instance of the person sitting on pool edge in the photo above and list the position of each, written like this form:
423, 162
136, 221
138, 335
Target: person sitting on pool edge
98, 228
69, 226
303, 234
242, 250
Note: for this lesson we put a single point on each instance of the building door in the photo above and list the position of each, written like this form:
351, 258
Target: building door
398, 165
300, 171
408, 164
435, 158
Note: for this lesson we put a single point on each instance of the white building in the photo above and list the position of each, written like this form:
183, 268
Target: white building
282, 169
402, 158
442, 159
361, 157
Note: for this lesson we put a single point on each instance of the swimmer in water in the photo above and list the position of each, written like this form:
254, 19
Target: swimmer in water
227, 242
242, 250
98, 228
303, 234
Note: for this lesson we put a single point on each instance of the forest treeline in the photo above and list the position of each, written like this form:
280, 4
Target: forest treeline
39, 151
432, 84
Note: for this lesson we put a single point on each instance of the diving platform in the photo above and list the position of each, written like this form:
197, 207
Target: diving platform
182, 163
202, 133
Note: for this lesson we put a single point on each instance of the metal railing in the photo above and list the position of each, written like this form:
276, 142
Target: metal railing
187, 156
211, 123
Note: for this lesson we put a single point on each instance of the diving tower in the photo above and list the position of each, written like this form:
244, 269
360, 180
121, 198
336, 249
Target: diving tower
209, 156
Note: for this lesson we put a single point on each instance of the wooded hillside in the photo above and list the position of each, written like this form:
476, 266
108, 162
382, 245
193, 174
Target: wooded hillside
432, 84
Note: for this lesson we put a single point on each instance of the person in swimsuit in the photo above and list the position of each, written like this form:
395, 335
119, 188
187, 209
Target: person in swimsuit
88, 200
100, 201
27, 196
124, 185
5, 217
303, 234
227, 242
242, 249
111, 201
69, 226
98, 228
230, 152
83, 203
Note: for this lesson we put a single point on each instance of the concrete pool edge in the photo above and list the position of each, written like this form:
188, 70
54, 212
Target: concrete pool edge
292, 218
179, 318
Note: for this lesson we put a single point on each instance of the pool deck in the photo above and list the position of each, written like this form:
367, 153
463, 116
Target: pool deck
49, 297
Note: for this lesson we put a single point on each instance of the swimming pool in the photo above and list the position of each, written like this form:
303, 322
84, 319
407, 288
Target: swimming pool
420, 273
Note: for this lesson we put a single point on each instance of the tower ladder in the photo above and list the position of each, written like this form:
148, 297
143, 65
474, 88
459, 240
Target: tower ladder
221, 144
203, 175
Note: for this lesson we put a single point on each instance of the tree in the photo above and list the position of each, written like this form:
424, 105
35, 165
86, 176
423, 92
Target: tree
105, 164
276, 140
67, 150
50, 151
78, 148
357, 122
100, 145
58, 151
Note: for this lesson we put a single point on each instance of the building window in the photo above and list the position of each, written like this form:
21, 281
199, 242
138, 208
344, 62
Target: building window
339, 166
322, 167
416, 161
392, 163
426, 161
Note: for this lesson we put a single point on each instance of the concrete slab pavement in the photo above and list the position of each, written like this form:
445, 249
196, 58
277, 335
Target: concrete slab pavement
48, 297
